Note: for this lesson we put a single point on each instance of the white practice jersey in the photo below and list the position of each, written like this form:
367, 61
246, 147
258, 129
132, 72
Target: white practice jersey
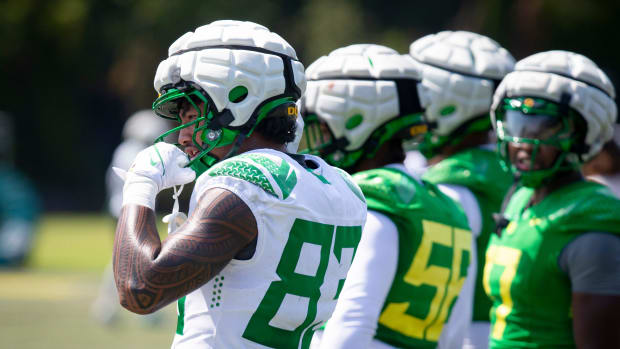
309, 224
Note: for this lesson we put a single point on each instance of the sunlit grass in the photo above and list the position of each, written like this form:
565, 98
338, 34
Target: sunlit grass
47, 303
73, 242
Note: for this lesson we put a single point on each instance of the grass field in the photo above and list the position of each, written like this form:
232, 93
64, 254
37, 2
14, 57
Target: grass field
47, 304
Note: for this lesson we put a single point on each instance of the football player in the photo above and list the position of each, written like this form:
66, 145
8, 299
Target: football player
460, 71
360, 105
270, 235
553, 272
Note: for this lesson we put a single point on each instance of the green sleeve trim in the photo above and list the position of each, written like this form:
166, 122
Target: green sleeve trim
181, 315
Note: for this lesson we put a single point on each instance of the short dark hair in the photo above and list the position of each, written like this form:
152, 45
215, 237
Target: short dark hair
279, 129
279, 124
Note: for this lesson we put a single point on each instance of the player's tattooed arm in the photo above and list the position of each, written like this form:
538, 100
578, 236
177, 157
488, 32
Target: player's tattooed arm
150, 273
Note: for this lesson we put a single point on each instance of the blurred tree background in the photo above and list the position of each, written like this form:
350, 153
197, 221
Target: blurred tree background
72, 71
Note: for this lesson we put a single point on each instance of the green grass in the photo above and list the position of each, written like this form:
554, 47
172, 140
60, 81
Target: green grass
47, 304
73, 242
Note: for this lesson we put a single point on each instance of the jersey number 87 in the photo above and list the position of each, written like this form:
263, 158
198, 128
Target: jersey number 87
299, 287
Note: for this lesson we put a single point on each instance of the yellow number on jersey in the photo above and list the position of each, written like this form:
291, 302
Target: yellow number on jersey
445, 280
508, 258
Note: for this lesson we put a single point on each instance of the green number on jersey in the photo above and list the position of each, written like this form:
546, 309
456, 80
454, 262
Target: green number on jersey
296, 285
447, 282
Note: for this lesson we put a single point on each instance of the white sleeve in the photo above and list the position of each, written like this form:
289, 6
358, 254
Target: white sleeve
354, 321
468, 202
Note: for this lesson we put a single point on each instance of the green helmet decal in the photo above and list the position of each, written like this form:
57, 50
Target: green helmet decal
238, 94
447, 110
538, 122
353, 121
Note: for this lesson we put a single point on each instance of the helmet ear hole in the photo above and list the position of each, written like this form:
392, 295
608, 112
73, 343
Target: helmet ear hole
238, 94
580, 147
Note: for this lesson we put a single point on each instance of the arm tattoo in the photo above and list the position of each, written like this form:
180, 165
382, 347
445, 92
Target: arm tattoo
150, 274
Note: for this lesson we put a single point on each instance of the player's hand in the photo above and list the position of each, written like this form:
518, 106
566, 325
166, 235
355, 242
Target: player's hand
155, 168
165, 164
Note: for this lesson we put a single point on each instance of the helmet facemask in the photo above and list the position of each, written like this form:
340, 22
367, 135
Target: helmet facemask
210, 132
432, 143
539, 123
319, 139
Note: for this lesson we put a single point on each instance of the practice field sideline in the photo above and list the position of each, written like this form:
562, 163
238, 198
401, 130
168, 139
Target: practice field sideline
47, 304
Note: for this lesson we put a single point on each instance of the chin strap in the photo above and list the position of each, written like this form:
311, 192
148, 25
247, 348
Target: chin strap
238, 141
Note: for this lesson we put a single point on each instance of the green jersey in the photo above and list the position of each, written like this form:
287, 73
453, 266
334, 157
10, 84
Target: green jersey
479, 171
433, 256
531, 294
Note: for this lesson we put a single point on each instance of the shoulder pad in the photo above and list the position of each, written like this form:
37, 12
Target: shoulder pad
477, 169
576, 208
351, 183
271, 173
387, 186
588, 207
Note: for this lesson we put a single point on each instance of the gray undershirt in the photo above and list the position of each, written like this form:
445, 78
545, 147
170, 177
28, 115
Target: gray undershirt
592, 262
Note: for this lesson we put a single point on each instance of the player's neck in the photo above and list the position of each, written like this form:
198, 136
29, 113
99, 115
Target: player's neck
258, 141
390, 152
561, 180
606, 163
472, 140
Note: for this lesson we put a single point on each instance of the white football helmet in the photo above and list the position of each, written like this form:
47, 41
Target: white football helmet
460, 71
365, 94
551, 74
240, 70
567, 89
